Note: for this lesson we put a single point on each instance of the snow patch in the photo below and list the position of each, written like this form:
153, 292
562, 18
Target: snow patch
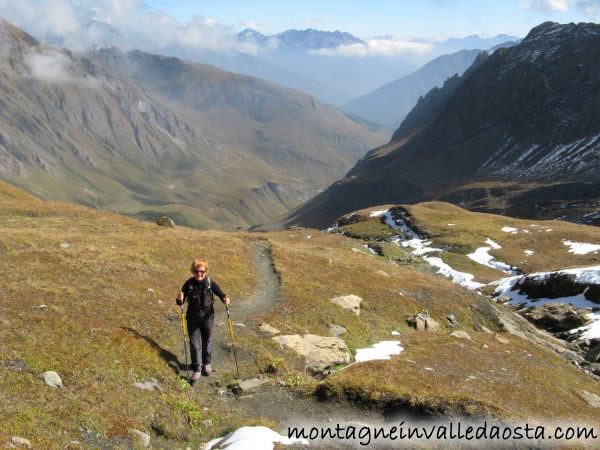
481, 256
509, 229
256, 438
381, 350
581, 248
492, 243
462, 278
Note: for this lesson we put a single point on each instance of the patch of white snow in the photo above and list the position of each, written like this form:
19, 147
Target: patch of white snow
381, 350
256, 438
581, 248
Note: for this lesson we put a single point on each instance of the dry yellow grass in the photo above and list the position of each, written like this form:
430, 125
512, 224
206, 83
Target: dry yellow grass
104, 329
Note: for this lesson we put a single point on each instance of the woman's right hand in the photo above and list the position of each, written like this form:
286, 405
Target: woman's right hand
180, 298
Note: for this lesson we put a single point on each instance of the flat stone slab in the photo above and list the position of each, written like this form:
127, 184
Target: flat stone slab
461, 335
268, 328
592, 399
319, 352
351, 302
336, 330
252, 383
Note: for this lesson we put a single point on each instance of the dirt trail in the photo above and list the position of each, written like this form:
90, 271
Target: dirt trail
271, 401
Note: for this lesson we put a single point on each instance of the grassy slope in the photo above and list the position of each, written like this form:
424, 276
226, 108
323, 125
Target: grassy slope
104, 329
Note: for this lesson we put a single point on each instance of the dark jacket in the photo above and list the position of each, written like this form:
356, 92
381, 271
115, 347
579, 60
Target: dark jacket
199, 297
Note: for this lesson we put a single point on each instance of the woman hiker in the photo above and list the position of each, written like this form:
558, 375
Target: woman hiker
198, 291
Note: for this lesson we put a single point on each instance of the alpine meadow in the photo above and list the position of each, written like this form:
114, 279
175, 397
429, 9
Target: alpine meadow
315, 225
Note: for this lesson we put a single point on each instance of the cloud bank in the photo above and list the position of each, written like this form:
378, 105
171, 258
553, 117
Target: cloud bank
80, 24
377, 47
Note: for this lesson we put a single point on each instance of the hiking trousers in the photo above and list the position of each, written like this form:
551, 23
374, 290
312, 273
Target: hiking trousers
200, 329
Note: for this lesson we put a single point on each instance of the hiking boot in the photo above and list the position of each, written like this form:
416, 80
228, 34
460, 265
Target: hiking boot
195, 376
206, 370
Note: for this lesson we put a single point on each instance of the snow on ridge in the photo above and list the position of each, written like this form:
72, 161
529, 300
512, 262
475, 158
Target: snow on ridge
492, 243
509, 229
481, 256
462, 278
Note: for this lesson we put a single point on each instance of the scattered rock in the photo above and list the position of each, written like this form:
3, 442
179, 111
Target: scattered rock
140, 437
148, 385
64, 245
593, 293
383, 274
165, 221
422, 322
268, 328
461, 335
351, 302
207, 423
336, 330
556, 317
247, 385
486, 330
452, 320
355, 250
592, 399
395, 333
319, 352
52, 379
593, 354
14, 365
43, 307
484, 346
20, 442
503, 299
501, 339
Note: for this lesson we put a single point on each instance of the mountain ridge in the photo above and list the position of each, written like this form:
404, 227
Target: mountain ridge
541, 92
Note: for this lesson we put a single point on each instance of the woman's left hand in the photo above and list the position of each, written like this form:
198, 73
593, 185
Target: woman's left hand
227, 301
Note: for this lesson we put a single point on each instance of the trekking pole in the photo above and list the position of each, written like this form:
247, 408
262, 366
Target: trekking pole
183, 333
232, 341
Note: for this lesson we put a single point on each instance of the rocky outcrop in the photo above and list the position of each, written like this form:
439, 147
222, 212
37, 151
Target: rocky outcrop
556, 317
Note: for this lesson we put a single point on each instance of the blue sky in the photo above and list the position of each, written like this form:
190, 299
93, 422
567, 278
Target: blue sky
400, 18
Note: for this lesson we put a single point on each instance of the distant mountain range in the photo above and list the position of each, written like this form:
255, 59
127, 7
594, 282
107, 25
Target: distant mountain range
517, 133
149, 135
389, 104
308, 39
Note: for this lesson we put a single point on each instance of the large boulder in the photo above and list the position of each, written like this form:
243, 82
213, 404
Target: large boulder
555, 285
319, 352
165, 221
423, 322
351, 302
556, 317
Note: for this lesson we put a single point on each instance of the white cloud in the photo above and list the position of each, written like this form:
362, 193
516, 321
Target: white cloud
55, 67
79, 24
378, 47
545, 5
590, 8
